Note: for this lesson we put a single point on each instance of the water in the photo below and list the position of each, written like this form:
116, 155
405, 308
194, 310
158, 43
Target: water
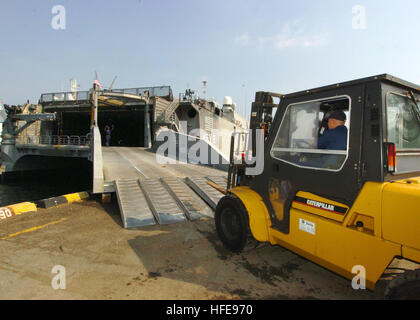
43, 185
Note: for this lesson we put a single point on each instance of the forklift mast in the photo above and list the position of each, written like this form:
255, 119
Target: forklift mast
262, 115
261, 118
262, 111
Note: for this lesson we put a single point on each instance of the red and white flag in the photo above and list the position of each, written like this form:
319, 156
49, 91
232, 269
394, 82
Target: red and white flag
97, 83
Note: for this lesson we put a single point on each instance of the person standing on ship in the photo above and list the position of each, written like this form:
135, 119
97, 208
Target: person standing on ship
107, 135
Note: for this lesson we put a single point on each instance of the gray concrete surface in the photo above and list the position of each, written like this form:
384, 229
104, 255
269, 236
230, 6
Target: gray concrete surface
179, 261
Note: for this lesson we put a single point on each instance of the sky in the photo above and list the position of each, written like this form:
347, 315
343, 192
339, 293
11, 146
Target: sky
238, 46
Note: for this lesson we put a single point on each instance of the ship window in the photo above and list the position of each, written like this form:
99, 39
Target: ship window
307, 139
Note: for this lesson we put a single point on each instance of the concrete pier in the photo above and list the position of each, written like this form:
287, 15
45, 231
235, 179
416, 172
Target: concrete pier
178, 261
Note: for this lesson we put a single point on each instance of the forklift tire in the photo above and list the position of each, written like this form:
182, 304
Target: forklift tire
405, 286
232, 224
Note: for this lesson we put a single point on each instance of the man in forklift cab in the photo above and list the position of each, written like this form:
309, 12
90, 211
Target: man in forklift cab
335, 138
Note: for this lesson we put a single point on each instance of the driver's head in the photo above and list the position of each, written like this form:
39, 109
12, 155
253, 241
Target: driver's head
336, 119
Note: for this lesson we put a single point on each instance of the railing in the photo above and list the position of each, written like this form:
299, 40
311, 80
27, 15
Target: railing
186, 97
170, 111
55, 140
65, 96
163, 91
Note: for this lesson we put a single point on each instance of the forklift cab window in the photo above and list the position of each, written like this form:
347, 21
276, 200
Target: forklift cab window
403, 129
302, 126
403, 122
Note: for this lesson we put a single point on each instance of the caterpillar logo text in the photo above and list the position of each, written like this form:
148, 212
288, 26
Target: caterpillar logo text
321, 205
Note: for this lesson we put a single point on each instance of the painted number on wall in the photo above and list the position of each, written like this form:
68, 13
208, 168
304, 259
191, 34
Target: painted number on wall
5, 213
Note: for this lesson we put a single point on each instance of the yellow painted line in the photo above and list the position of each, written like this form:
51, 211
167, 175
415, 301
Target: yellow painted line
34, 229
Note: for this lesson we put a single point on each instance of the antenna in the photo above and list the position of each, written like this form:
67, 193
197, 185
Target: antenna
204, 88
245, 104
112, 84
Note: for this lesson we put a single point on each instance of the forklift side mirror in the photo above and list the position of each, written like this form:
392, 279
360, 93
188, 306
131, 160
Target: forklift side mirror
392, 157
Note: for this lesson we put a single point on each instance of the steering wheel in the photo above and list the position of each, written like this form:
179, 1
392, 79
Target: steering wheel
324, 123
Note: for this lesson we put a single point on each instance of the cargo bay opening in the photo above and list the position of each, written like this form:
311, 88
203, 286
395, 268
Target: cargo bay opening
132, 114
128, 125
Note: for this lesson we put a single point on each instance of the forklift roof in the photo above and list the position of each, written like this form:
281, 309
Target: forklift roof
383, 77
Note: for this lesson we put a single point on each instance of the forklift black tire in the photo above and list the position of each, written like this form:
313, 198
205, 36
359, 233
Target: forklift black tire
405, 286
232, 224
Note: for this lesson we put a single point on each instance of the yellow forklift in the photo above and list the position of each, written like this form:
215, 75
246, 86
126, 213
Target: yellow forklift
340, 207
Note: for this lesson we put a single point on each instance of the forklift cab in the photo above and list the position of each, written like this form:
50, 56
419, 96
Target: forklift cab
380, 113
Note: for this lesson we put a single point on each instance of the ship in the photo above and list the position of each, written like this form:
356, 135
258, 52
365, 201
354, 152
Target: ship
67, 129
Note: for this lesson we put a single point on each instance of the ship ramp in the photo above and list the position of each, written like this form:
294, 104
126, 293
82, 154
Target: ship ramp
145, 202
150, 193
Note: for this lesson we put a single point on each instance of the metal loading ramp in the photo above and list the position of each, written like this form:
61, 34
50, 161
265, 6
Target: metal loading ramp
209, 194
190, 202
134, 208
145, 202
164, 207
